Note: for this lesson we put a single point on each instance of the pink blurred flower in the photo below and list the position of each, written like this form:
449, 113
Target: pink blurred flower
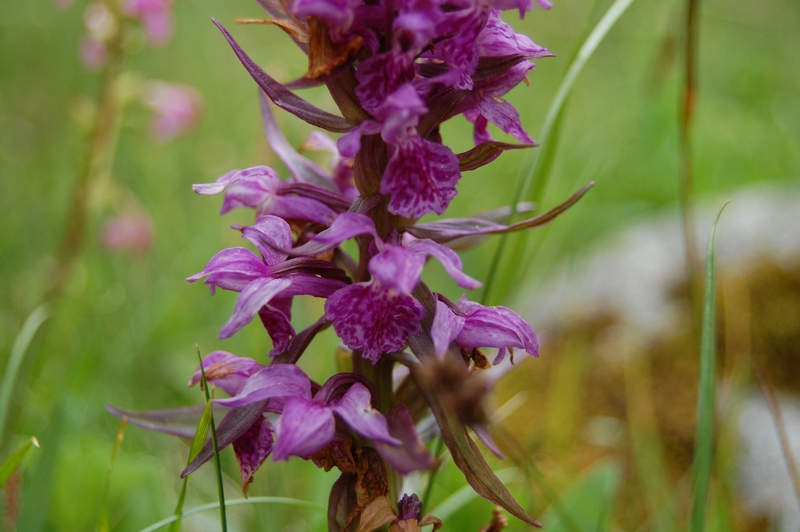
132, 231
155, 16
94, 54
101, 25
177, 108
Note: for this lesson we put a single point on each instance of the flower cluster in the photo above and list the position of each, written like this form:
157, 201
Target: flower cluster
397, 70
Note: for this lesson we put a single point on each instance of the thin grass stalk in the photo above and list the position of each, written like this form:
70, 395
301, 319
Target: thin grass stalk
97, 161
704, 439
220, 488
646, 449
685, 121
533, 181
102, 525
439, 447
235, 502
777, 418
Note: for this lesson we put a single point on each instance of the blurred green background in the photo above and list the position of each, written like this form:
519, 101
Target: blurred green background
125, 331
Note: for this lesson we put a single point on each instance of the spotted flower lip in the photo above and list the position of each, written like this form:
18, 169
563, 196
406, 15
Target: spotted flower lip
377, 316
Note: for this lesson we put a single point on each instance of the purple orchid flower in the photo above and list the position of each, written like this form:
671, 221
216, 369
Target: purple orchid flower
267, 283
396, 71
472, 325
307, 423
261, 189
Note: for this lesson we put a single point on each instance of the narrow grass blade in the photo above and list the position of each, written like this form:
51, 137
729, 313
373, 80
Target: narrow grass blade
465, 495
439, 447
197, 445
236, 502
537, 170
220, 487
13, 460
103, 522
18, 350
704, 438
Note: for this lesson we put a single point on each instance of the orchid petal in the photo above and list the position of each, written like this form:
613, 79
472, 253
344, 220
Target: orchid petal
275, 380
252, 448
210, 189
338, 385
355, 409
410, 455
494, 327
279, 327
397, 268
502, 114
254, 187
253, 297
232, 269
445, 328
347, 225
226, 371
269, 235
303, 428
449, 259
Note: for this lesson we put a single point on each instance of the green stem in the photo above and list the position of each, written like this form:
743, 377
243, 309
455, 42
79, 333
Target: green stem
217, 462
685, 117
97, 161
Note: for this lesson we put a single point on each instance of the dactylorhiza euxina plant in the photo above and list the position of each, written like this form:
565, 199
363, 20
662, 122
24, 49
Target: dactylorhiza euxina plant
397, 70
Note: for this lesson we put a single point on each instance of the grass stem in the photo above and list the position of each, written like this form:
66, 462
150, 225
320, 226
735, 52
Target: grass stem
221, 489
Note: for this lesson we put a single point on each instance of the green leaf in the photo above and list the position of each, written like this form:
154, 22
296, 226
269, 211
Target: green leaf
589, 502
203, 427
704, 438
20, 347
13, 460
